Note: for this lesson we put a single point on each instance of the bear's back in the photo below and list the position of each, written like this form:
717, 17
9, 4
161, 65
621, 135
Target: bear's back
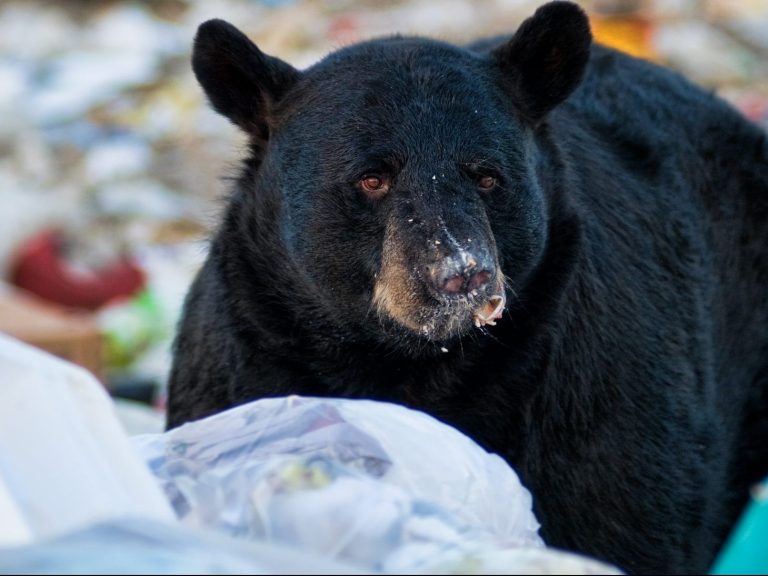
668, 150
674, 182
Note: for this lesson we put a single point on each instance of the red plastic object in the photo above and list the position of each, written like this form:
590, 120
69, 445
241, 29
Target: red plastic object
41, 269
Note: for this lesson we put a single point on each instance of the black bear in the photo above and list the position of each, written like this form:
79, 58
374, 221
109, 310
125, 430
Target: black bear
558, 249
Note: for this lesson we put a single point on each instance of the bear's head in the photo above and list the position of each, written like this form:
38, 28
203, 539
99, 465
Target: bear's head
403, 173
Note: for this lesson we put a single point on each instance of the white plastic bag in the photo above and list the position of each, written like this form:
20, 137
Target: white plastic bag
64, 460
373, 484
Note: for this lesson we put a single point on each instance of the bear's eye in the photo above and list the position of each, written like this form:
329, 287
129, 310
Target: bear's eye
486, 182
374, 185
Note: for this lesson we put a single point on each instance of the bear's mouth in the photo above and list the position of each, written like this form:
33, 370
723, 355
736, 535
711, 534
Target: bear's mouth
445, 318
485, 305
440, 318
430, 303
489, 312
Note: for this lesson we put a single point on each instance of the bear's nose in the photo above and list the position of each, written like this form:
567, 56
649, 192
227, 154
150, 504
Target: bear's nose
460, 274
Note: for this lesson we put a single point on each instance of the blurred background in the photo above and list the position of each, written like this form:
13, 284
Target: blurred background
111, 163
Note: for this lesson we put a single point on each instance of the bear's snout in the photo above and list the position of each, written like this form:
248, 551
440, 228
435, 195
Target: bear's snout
461, 274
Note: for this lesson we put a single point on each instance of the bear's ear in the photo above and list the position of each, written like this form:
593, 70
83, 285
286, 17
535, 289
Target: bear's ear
241, 82
546, 58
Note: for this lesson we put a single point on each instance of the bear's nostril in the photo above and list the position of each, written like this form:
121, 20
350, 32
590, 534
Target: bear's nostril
478, 280
464, 283
454, 284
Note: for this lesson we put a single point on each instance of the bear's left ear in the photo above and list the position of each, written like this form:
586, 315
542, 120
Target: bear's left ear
546, 58
241, 82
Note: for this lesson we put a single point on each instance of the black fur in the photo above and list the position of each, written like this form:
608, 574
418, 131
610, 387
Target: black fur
627, 381
224, 60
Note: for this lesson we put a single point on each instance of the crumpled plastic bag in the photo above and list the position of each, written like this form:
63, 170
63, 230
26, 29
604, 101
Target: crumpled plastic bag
372, 484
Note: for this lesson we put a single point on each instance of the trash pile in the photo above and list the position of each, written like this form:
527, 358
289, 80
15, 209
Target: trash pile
352, 480
111, 161
280, 485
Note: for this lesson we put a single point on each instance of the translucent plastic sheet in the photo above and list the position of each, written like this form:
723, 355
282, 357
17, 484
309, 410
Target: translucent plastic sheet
371, 484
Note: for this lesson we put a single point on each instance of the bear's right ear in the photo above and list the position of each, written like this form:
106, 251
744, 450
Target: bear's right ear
546, 58
241, 82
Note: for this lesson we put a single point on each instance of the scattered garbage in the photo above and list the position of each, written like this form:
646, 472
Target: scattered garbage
107, 138
359, 481
300, 485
